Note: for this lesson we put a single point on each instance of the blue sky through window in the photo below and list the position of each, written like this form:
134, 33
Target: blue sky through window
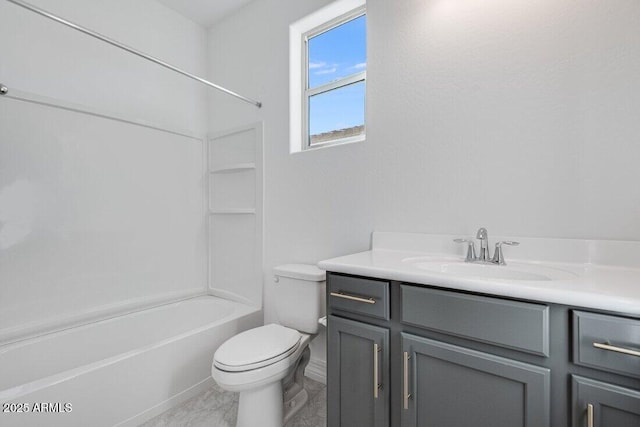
340, 108
333, 55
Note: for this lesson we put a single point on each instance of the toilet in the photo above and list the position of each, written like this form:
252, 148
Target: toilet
266, 364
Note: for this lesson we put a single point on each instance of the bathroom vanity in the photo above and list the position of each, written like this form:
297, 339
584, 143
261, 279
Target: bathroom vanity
409, 348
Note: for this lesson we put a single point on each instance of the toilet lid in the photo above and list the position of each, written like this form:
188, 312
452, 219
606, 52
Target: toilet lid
256, 347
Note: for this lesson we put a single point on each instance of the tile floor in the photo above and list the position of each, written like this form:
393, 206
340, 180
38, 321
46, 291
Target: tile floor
217, 408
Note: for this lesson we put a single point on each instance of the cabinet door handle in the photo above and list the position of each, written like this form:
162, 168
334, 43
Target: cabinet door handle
609, 347
590, 415
376, 368
405, 380
353, 297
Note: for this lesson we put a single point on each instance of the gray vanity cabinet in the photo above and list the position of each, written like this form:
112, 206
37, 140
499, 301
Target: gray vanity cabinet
358, 370
406, 355
445, 385
599, 404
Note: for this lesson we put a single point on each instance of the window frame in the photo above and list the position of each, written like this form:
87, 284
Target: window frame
307, 93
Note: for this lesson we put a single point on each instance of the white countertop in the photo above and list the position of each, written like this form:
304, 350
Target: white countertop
614, 286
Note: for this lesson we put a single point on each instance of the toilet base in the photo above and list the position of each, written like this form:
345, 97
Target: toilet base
274, 404
261, 407
294, 405
295, 396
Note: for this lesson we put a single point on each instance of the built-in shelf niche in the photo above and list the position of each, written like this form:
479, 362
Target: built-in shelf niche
232, 190
233, 149
235, 213
232, 167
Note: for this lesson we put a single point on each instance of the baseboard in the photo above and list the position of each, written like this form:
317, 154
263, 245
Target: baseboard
146, 415
317, 370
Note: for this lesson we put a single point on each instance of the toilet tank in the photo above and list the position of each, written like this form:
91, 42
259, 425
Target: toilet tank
299, 294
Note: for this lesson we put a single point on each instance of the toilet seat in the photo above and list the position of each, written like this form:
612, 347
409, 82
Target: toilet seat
256, 348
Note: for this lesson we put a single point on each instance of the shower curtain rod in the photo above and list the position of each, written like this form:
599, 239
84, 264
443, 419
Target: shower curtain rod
112, 42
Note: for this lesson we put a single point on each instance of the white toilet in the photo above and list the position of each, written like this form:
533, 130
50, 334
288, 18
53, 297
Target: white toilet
266, 364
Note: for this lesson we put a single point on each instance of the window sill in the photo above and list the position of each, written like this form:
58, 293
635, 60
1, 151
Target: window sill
330, 144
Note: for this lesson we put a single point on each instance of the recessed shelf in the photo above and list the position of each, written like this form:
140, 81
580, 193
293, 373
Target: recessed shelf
232, 167
232, 211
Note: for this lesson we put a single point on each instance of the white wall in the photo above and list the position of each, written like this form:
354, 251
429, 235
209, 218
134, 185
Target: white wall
98, 215
515, 115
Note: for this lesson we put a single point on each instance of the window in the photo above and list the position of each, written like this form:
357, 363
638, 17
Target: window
331, 81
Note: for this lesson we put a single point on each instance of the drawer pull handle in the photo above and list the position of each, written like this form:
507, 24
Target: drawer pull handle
604, 346
376, 361
589, 415
405, 380
353, 298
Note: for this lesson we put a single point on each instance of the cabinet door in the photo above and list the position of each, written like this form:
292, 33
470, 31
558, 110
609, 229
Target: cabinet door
357, 374
444, 385
598, 404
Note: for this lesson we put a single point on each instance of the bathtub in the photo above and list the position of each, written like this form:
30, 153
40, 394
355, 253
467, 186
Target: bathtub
121, 371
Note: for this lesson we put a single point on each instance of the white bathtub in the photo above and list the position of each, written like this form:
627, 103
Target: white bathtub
120, 371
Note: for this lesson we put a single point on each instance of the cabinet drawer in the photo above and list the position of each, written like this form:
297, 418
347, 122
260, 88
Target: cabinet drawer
512, 324
609, 343
360, 296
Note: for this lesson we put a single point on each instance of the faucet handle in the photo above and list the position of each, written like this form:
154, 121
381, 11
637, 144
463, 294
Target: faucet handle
471, 249
498, 256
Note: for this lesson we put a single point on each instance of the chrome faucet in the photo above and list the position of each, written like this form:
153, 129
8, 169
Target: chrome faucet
484, 256
484, 244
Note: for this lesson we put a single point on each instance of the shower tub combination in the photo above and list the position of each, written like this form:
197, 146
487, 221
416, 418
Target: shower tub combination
120, 371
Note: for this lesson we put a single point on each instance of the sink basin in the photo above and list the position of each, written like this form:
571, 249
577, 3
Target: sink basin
511, 271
